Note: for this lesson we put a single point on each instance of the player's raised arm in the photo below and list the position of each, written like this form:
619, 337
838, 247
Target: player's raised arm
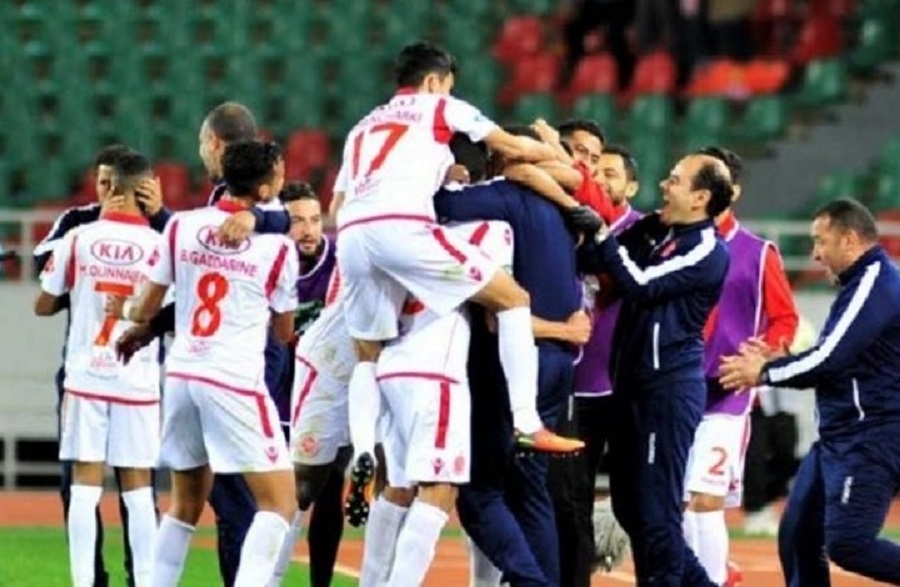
519, 148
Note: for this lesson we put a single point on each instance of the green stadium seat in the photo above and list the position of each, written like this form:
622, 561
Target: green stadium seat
889, 159
650, 114
47, 181
838, 184
888, 10
875, 45
598, 107
764, 118
531, 106
653, 158
825, 82
705, 122
887, 192
480, 85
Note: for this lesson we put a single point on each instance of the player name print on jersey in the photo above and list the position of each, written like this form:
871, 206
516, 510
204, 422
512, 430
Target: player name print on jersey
218, 256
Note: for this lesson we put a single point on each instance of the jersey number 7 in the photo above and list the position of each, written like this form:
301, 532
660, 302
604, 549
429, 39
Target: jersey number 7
395, 132
109, 323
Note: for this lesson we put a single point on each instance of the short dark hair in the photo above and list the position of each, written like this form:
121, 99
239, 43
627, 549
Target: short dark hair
710, 177
469, 154
628, 160
128, 169
416, 60
732, 161
246, 165
847, 214
583, 124
231, 122
522, 130
295, 191
110, 153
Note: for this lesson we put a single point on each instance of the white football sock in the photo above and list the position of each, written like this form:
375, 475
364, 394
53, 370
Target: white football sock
689, 527
519, 359
261, 548
712, 540
173, 539
364, 407
385, 520
287, 549
82, 529
416, 544
482, 572
141, 533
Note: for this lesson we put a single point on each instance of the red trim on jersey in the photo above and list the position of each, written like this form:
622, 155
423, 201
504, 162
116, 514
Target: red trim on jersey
440, 435
416, 375
172, 245
259, 397
441, 239
230, 205
125, 217
380, 217
71, 266
275, 273
479, 234
441, 130
334, 287
112, 399
406, 91
305, 388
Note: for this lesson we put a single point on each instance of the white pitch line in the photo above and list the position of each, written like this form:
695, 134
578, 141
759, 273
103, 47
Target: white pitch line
338, 568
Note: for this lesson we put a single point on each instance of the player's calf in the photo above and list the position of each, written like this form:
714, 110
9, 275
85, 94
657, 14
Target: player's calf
137, 494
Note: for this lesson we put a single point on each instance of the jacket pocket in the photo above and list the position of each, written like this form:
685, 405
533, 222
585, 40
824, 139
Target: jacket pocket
656, 346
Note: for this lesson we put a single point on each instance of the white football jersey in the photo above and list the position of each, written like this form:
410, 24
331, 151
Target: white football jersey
223, 296
112, 256
326, 344
395, 159
437, 343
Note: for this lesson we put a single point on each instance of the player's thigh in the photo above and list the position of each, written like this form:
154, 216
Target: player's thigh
716, 459
435, 265
134, 436
84, 429
321, 426
181, 443
241, 430
437, 434
372, 299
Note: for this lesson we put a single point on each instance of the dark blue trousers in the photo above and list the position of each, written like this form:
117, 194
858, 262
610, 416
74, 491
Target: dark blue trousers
648, 457
506, 509
858, 478
101, 577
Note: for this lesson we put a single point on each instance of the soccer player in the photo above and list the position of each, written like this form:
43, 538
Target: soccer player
218, 412
669, 269
389, 245
426, 441
756, 301
320, 472
592, 416
848, 480
507, 509
150, 196
110, 412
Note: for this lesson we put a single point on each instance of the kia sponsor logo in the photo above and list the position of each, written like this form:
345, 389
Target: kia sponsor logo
207, 238
114, 251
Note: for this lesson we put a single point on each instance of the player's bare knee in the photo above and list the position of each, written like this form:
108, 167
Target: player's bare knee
440, 495
704, 503
131, 479
187, 508
84, 473
274, 491
368, 351
400, 496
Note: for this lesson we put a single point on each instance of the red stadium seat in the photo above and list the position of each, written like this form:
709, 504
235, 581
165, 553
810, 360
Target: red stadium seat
531, 74
820, 37
766, 76
520, 36
722, 77
840, 9
655, 73
594, 74
175, 180
308, 150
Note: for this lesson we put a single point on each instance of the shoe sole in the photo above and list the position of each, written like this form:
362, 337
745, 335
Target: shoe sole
356, 508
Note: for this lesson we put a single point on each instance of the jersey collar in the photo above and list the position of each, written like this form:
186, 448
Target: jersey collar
125, 217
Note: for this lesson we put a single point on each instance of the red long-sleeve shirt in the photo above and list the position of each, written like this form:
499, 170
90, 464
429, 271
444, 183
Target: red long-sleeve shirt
778, 303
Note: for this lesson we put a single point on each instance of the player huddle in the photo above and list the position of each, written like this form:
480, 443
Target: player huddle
473, 263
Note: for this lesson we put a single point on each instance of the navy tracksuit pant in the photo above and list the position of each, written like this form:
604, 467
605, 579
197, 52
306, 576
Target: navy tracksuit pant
506, 508
648, 454
839, 503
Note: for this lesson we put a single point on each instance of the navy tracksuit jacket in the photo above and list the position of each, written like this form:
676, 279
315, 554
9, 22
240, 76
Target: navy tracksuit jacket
669, 279
846, 483
506, 509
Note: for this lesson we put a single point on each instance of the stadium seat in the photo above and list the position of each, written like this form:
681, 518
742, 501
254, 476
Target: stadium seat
721, 77
175, 179
765, 76
598, 107
519, 36
650, 114
837, 184
821, 37
840, 9
889, 158
594, 74
873, 47
653, 158
764, 118
825, 82
654, 73
530, 74
704, 122
538, 105
307, 150
887, 192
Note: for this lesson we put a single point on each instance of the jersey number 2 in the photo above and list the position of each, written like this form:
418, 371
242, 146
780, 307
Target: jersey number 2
395, 132
207, 316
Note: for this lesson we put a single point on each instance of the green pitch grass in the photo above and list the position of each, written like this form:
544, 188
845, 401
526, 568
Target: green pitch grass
38, 557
